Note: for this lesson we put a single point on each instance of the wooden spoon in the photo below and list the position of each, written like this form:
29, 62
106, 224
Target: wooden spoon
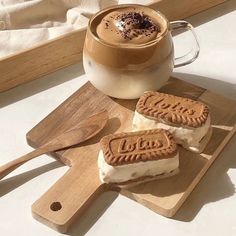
85, 130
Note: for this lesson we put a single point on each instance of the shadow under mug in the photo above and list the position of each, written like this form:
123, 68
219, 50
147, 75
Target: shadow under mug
128, 70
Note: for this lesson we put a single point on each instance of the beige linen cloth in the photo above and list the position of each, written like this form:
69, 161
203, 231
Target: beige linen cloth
26, 23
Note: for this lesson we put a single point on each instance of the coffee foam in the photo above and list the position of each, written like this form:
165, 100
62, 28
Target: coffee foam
128, 25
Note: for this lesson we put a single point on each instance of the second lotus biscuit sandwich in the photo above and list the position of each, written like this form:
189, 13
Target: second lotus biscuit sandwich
188, 120
135, 157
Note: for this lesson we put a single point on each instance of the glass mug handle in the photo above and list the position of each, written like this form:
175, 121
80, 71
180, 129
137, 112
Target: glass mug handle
193, 54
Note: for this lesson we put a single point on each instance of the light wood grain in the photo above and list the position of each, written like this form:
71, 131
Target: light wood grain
41, 60
81, 185
180, 9
67, 49
74, 192
80, 132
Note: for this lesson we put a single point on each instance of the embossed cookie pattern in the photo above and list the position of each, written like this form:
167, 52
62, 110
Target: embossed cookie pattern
128, 148
173, 109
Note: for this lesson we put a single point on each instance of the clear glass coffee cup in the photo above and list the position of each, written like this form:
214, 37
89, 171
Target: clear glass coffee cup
126, 70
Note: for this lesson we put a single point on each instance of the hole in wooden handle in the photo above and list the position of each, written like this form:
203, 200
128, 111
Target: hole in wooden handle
56, 206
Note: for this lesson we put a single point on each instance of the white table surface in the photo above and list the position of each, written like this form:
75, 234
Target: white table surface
210, 209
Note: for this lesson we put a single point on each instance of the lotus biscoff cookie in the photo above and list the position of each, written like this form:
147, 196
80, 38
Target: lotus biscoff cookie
188, 120
137, 156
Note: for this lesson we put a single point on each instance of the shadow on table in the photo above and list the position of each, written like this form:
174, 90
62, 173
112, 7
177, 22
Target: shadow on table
9, 184
92, 214
216, 185
38, 85
217, 86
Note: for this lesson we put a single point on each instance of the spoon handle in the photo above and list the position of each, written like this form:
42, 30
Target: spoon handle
83, 131
12, 165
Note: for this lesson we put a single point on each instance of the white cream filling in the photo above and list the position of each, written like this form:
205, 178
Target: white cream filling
122, 173
186, 136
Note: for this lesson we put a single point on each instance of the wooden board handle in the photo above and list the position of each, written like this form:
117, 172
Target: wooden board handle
67, 199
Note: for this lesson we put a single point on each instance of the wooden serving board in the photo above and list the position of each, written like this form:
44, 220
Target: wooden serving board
66, 200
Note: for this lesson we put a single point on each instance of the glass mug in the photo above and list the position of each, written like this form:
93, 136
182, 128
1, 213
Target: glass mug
127, 70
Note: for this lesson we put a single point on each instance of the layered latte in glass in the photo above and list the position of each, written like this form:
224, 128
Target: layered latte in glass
128, 50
